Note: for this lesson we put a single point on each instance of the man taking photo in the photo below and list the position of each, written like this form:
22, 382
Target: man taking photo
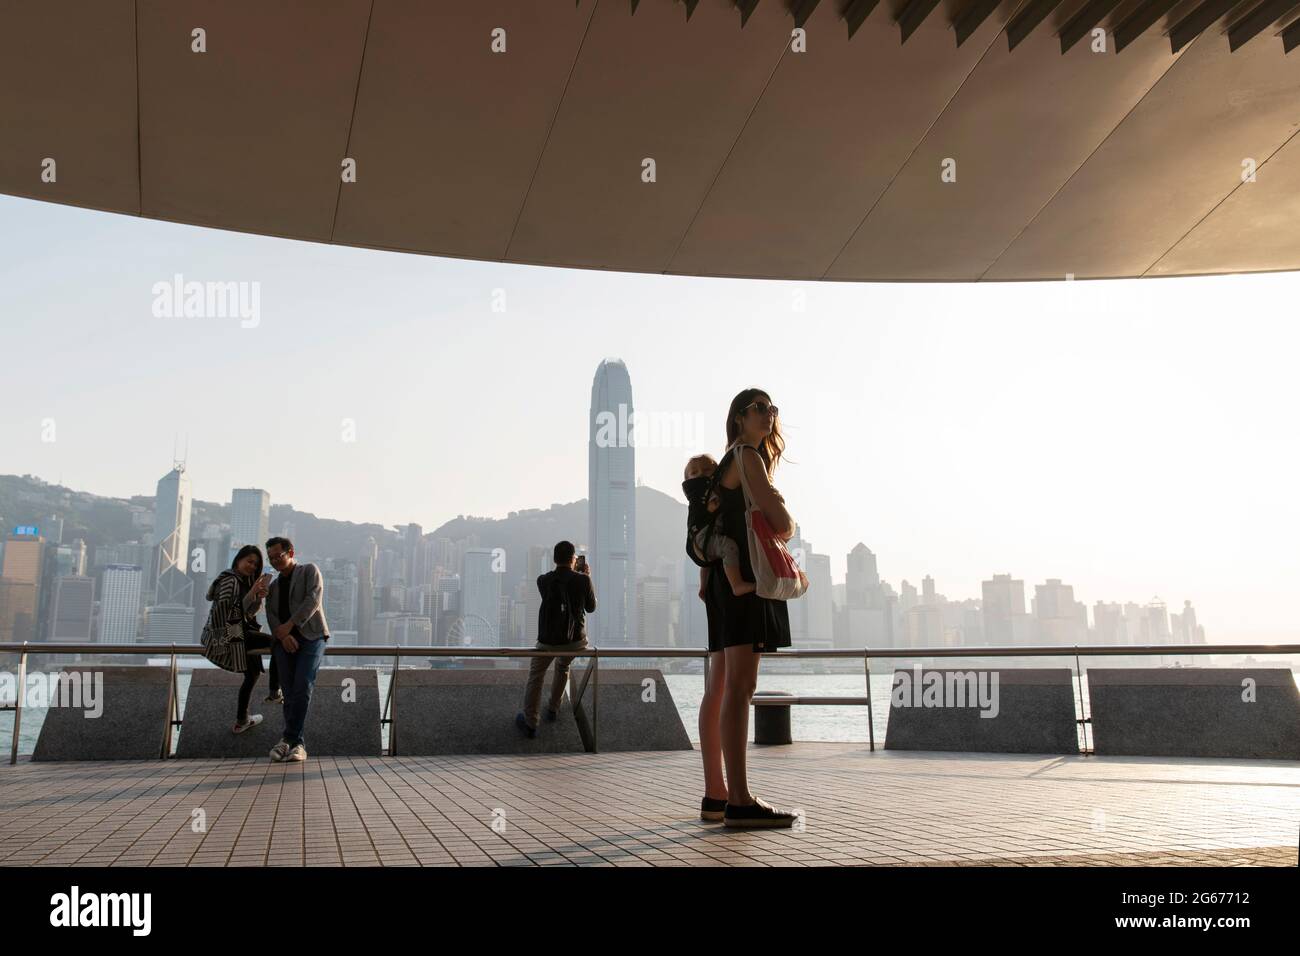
567, 598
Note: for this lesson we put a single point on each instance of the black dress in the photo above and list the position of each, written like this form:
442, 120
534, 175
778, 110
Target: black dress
748, 619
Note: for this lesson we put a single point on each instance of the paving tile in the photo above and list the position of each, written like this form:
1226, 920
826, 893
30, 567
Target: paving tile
859, 808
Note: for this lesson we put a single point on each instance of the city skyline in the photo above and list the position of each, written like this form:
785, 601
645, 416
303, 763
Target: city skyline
253, 505
1109, 433
863, 609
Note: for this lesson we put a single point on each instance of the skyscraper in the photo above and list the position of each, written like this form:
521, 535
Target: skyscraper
68, 559
869, 613
692, 620
61, 561
819, 611
538, 563
1058, 617
480, 598
171, 528
862, 580
446, 609
366, 591
52, 529
1005, 620
169, 624
119, 609
414, 571
1108, 624
653, 595
611, 505
20, 585
250, 519
798, 610
339, 579
71, 608
1185, 628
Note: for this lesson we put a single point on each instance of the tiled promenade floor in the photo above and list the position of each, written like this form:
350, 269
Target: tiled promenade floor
642, 810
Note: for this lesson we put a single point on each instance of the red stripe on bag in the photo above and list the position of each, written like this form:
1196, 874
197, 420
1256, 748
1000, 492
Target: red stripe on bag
778, 557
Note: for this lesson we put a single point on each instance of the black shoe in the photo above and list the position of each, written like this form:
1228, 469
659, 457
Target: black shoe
552, 715
757, 814
711, 809
522, 724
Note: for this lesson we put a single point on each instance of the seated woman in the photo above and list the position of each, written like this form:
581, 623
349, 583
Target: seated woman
231, 635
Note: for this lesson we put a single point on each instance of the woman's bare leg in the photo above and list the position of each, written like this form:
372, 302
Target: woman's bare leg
715, 785
738, 690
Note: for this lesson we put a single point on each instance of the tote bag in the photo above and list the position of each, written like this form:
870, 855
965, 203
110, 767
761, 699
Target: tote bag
776, 575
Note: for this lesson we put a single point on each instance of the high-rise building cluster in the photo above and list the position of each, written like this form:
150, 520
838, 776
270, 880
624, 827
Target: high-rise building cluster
407, 588
871, 613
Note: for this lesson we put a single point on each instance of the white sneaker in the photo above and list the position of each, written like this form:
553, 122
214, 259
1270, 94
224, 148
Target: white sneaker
252, 721
299, 752
280, 752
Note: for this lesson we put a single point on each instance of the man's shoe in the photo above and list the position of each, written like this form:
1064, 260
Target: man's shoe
757, 814
522, 723
552, 714
280, 752
276, 698
297, 753
247, 724
712, 810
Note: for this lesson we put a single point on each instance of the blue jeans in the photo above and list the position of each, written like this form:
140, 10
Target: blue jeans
298, 677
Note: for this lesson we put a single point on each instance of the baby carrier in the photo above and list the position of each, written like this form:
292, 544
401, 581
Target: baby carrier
698, 517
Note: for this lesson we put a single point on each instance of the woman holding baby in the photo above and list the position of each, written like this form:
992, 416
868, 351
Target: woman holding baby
742, 625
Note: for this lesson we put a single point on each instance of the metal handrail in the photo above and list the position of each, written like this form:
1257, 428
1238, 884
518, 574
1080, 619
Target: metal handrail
397, 652
761, 699
388, 650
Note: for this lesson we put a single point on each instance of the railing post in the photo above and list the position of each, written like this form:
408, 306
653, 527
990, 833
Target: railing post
173, 707
595, 701
1083, 718
391, 707
871, 717
18, 703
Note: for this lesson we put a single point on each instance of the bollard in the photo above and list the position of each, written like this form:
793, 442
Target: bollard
771, 721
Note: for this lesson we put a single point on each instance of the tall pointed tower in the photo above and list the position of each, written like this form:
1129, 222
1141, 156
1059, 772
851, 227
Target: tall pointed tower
611, 504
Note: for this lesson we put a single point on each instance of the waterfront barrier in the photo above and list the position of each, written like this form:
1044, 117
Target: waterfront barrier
1195, 712
472, 711
108, 713
1169, 716
635, 711
1011, 710
343, 721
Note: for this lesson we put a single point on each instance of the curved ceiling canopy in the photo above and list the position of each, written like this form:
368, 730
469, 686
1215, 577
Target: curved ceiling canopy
840, 139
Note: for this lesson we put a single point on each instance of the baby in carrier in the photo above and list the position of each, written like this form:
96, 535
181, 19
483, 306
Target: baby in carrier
705, 542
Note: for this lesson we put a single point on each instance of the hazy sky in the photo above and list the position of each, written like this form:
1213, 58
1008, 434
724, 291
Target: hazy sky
1134, 438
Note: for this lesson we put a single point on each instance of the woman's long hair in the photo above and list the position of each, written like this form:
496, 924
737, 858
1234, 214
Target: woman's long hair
773, 445
244, 552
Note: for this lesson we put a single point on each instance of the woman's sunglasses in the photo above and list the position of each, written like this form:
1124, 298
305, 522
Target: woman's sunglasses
762, 408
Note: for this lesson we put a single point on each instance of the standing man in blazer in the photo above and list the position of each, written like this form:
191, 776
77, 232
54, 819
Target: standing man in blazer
297, 622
